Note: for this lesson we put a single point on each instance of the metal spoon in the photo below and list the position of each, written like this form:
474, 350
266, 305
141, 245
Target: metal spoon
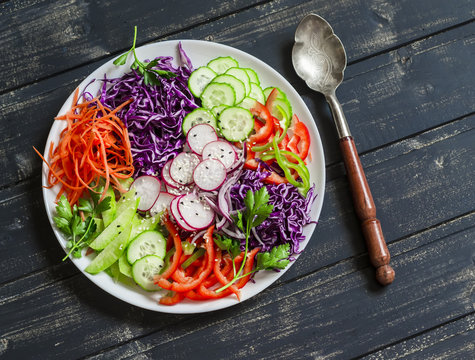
319, 58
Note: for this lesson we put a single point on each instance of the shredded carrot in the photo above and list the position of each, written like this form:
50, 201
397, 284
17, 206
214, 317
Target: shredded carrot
95, 144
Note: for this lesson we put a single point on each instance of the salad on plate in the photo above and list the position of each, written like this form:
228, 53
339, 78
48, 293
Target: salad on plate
178, 181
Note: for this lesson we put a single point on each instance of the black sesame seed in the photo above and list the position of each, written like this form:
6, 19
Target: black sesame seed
118, 225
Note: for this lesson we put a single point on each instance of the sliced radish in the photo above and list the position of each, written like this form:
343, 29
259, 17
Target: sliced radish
162, 203
176, 215
148, 189
180, 190
181, 168
221, 150
169, 182
209, 174
196, 213
199, 136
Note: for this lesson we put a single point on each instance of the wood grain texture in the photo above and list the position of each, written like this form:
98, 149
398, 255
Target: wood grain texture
408, 97
328, 261
374, 122
318, 328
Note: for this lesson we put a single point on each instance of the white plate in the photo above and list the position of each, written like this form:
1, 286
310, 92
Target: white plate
200, 52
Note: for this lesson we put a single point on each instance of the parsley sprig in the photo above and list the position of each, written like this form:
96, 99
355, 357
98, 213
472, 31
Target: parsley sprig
68, 219
257, 210
146, 69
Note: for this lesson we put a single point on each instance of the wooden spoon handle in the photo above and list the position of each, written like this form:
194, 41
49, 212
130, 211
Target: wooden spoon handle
366, 211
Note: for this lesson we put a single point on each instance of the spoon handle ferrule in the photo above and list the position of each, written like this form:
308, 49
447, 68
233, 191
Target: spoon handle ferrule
366, 211
338, 116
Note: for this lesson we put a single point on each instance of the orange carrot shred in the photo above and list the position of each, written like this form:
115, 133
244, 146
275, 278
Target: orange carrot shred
95, 144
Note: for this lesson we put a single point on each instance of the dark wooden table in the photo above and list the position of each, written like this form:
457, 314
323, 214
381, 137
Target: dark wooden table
409, 97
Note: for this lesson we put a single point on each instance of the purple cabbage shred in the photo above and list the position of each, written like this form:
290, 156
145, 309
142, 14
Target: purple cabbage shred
291, 211
154, 118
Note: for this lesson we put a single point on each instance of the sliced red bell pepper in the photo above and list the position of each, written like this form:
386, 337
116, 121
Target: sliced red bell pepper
299, 144
262, 133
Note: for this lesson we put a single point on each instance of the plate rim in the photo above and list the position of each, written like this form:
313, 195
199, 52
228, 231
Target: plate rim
209, 305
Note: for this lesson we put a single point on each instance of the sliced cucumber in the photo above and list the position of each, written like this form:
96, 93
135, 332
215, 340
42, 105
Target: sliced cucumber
252, 76
241, 75
199, 79
198, 116
257, 93
216, 110
248, 103
147, 243
278, 105
235, 83
117, 226
217, 94
235, 123
111, 253
280, 93
124, 266
222, 63
145, 269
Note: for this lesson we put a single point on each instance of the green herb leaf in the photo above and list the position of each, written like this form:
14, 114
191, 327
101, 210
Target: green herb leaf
277, 258
104, 205
62, 224
85, 205
122, 59
226, 244
63, 209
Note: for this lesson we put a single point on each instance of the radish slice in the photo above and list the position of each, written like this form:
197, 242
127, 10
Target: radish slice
162, 203
176, 215
199, 136
209, 174
181, 168
221, 150
148, 189
177, 191
195, 211
169, 182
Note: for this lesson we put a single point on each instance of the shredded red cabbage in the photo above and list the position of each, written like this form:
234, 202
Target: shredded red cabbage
155, 116
291, 211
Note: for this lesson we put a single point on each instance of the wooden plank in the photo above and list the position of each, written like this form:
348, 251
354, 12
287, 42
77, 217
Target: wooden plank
374, 121
81, 318
341, 317
56, 36
69, 34
455, 340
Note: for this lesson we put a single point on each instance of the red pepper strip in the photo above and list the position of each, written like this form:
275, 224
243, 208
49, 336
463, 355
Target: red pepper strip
180, 287
193, 295
161, 279
301, 138
169, 242
211, 294
247, 268
222, 277
172, 300
263, 133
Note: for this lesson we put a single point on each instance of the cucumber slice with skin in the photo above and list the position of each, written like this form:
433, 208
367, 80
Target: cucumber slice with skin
115, 227
198, 116
241, 75
222, 63
147, 243
236, 123
253, 78
280, 93
145, 269
257, 93
218, 94
216, 110
235, 83
124, 266
111, 253
199, 79
248, 103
